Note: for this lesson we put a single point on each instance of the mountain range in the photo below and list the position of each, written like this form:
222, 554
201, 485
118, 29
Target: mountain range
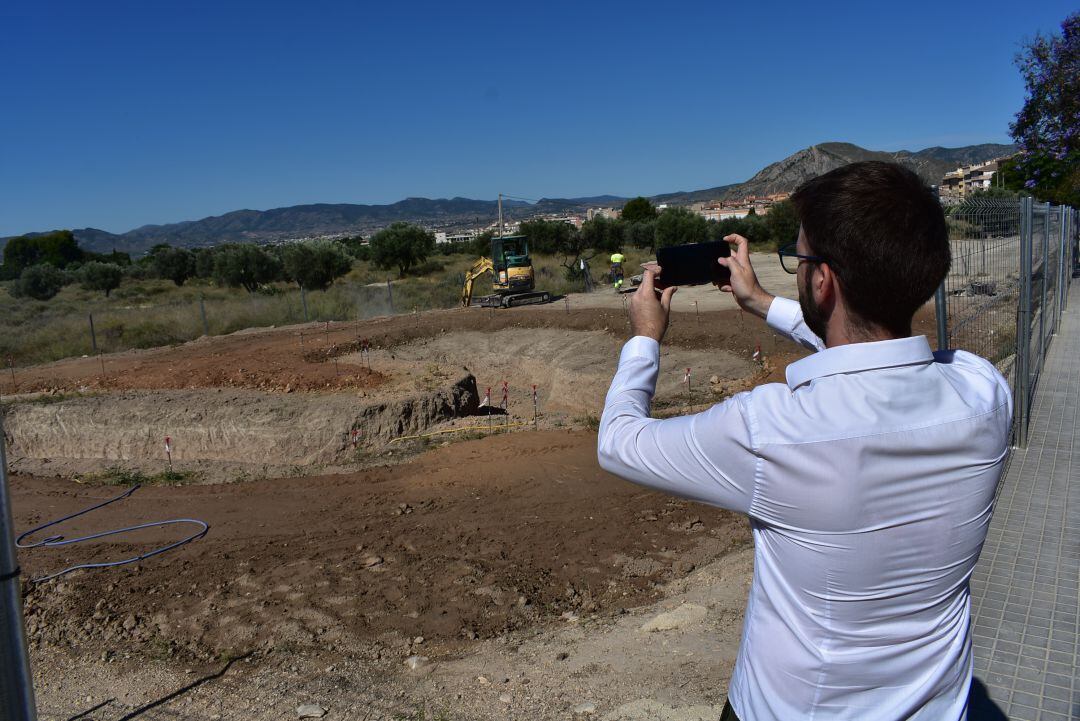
300, 221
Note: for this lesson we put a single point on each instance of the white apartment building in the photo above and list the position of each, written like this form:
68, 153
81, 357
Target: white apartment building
455, 237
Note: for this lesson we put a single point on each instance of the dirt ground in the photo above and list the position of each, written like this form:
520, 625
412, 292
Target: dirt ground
471, 542
454, 577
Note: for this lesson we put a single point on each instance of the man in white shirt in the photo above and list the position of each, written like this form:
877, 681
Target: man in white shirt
869, 477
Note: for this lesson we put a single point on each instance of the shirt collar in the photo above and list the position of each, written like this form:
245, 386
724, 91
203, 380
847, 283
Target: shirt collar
856, 357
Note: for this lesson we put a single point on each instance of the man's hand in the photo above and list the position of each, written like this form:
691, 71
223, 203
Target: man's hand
649, 314
744, 284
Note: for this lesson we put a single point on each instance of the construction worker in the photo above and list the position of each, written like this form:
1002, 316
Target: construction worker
617, 259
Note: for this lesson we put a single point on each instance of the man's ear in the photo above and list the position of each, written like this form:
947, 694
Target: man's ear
825, 286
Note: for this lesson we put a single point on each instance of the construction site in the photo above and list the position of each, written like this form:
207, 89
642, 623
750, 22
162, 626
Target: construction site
406, 520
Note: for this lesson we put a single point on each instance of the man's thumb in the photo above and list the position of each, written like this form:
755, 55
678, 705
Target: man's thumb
665, 298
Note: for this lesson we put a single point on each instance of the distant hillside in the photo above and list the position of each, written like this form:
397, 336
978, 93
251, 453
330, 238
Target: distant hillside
786, 175
298, 221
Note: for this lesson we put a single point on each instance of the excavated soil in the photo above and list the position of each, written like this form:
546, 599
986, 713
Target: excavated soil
260, 404
469, 548
274, 360
468, 542
220, 434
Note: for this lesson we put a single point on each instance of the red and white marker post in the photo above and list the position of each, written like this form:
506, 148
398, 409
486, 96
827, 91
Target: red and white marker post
168, 451
689, 398
354, 437
757, 354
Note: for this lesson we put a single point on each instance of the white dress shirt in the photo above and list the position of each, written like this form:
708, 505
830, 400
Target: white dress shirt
869, 480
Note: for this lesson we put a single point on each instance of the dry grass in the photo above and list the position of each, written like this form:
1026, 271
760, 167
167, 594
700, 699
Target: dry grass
151, 313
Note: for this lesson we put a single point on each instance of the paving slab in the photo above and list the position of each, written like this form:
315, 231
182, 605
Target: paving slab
1025, 587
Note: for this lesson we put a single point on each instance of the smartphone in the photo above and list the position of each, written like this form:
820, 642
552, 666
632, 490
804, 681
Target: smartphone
693, 264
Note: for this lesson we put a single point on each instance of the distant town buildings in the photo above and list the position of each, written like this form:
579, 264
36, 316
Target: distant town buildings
738, 207
711, 210
612, 213
959, 183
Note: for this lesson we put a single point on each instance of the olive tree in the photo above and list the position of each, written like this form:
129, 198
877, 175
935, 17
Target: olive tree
105, 277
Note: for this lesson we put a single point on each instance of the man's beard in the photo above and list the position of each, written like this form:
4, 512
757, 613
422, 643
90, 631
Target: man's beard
812, 316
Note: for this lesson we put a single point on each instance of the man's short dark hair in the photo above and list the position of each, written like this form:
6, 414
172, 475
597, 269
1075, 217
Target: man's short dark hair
884, 233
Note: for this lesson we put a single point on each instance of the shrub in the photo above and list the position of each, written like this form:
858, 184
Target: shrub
39, 282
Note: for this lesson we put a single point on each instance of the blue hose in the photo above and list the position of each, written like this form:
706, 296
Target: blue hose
55, 541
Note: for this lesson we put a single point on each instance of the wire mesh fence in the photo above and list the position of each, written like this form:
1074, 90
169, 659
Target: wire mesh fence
1012, 262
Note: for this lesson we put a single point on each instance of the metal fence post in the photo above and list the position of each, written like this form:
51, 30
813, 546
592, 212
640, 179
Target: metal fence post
1021, 381
1066, 258
16, 683
202, 312
1042, 289
93, 334
941, 310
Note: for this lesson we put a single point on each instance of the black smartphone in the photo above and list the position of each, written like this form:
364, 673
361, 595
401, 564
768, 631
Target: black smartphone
693, 264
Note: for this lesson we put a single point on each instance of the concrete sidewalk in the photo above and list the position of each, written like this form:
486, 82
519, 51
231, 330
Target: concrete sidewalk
1024, 589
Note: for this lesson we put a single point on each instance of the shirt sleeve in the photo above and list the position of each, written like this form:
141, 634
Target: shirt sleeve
706, 457
786, 318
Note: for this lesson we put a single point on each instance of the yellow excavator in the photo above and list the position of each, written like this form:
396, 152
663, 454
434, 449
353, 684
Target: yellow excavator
512, 278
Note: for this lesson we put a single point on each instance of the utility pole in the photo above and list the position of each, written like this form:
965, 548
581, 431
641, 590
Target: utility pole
500, 216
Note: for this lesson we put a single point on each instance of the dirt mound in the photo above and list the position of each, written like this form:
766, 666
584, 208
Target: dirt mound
268, 360
302, 358
209, 428
467, 542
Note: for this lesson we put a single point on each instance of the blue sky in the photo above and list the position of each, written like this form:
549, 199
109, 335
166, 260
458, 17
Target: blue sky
118, 114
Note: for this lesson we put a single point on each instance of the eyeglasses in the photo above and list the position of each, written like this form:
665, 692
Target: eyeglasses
789, 259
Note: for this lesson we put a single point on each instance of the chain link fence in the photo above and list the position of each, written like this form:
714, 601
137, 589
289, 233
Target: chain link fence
1012, 263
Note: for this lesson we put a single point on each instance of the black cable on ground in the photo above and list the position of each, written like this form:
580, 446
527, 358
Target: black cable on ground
55, 541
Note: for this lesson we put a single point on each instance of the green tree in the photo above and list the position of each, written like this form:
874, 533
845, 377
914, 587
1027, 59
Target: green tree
40, 282
402, 245
782, 223
638, 210
481, 244
678, 226
101, 276
572, 250
315, 264
245, 265
175, 264
204, 262
116, 257
1047, 128
602, 234
355, 246
640, 235
545, 236
751, 227
58, 249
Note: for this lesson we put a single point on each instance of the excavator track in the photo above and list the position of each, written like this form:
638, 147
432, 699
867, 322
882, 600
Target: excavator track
510, 300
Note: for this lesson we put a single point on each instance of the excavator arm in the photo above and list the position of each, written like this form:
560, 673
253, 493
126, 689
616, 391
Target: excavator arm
481, 266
